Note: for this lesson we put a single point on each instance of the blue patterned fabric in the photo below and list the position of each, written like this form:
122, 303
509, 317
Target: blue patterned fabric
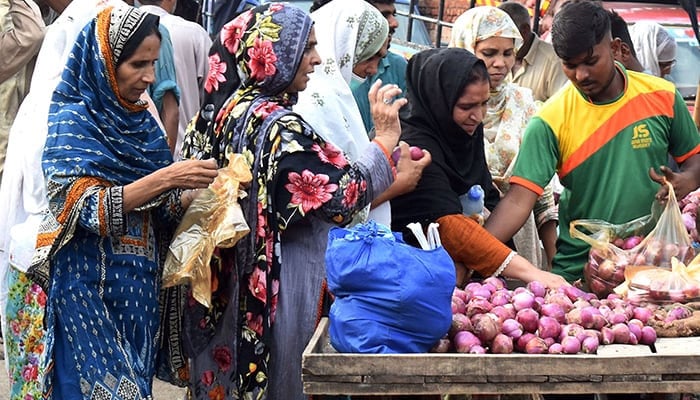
102, 314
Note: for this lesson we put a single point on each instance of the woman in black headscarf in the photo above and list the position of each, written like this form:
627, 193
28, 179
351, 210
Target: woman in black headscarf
447, 91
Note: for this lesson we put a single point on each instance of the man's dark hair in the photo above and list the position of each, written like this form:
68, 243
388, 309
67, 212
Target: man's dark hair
518, 13
150, 2
618, 29
578, 27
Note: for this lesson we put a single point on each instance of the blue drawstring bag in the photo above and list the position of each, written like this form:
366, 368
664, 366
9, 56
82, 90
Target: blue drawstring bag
390, 297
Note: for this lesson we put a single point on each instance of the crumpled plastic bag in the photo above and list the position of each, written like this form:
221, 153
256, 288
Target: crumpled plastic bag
660, 239
214, 219
648, 284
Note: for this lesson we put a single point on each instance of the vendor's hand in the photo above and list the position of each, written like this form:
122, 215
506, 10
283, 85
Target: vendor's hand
408, 171
682, 183
191, 174
385, 112
551, 280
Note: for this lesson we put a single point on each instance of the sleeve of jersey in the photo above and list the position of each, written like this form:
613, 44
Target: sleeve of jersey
684, 141
537, 158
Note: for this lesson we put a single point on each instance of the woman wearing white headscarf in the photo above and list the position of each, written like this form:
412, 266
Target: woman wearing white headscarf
655, 47
509, 109
349, 33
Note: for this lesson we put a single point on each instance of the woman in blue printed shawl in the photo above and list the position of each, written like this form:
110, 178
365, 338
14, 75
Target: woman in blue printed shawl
114, 197
268, 291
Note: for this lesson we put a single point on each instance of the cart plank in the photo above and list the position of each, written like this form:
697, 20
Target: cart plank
615, 369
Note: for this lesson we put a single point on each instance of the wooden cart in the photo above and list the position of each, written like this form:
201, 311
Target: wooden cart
670, 366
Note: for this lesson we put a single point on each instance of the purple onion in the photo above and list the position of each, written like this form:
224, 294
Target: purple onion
523, 300
481, 291
478, 349
621, 333
560, 299
570, 345
555, 348
495, 282
537, 288
460, 322
590, 345
502, 344
643, 314
536, 345
500, 297
548, 327
574, 293
458, 306
512, 328
523, 340
478, 305
587, 314
574, 330
555, 311
528, 318
678, 312
486, 328
608, 336
464, 341
648, 335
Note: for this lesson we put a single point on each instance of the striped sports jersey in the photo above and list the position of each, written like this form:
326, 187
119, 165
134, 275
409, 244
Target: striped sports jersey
602, 154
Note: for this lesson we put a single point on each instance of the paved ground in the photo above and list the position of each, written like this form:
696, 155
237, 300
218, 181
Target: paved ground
161, 390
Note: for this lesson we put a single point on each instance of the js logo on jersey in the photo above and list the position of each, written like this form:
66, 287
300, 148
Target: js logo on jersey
641, 138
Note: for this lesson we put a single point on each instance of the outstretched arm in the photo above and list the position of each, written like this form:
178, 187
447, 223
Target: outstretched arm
511, 213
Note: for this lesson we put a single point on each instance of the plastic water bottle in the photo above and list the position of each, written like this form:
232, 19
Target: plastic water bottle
473, 201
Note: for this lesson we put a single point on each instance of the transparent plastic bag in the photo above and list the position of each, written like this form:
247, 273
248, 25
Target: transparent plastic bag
214, 219
647, 284
655, 242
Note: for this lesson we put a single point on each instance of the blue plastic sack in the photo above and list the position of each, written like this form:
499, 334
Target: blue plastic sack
390, 297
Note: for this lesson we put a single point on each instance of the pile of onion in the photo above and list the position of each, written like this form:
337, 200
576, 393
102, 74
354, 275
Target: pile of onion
489, 318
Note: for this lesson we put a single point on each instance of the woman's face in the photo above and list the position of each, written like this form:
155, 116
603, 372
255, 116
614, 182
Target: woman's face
136, 73
498, 53
309, 60
370, 66
470, 107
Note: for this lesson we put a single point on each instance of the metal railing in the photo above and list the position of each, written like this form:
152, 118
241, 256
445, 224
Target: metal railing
438, 21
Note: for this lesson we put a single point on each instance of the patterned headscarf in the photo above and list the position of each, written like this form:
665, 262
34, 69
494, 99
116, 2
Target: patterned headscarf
123, 25
372, 32
252, 55
480, 23
93, 132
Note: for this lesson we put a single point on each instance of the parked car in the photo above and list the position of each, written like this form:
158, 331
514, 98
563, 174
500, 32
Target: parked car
685, 73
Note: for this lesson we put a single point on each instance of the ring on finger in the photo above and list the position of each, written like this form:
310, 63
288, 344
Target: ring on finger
387, 101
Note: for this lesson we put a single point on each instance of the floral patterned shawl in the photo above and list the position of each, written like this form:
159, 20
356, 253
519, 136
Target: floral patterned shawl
251, 63
299, 182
